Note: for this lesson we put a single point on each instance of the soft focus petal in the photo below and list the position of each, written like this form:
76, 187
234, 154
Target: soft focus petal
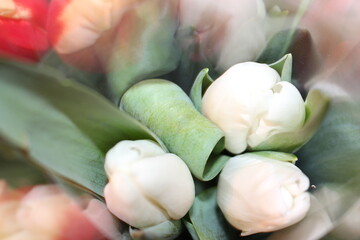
83, 32
97, 212
22, 26
226, 32
43, 212
7, 8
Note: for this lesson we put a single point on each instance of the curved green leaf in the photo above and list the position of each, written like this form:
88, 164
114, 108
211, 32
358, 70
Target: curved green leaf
202, 82
167, 111
64, 127
284, 67
190, 228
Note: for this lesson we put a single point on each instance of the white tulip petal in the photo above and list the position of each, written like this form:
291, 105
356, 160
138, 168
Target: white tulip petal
174, 178
316, 223
127, 152
146, 185
259, 194
250, 103
286, 112
124, 200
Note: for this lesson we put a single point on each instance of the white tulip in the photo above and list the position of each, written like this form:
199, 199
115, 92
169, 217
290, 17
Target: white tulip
250, 103
146, 185
258, 193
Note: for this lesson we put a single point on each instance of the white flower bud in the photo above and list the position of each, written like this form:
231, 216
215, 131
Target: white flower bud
146, 185
259, 194
250, 103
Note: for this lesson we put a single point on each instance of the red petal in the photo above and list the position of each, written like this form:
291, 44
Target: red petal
55, 26
21, 39
79, 227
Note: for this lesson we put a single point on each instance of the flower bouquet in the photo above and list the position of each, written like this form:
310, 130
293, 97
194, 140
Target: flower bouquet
179, 119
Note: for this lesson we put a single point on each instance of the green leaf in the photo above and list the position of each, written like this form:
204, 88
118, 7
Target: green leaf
190, 227
332, 155
280, 156
305, 55
277, 47
207, 219
64, 127
96, 81
284, 67
165, 109
202, 82
280, 43
167, 230
51, 59
15, 170
146, 45
316, 105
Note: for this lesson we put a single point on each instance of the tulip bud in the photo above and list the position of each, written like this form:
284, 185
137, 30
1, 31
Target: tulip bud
250, 103
146, 185
82, 32
257, 192
22, 29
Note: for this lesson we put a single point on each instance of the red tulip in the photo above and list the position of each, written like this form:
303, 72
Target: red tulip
22, 29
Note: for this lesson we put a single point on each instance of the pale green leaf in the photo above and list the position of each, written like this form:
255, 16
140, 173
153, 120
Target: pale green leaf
284, 67
280, 156
64, 127
165, 109
332, 155
167, 230
207, 219
202, 82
